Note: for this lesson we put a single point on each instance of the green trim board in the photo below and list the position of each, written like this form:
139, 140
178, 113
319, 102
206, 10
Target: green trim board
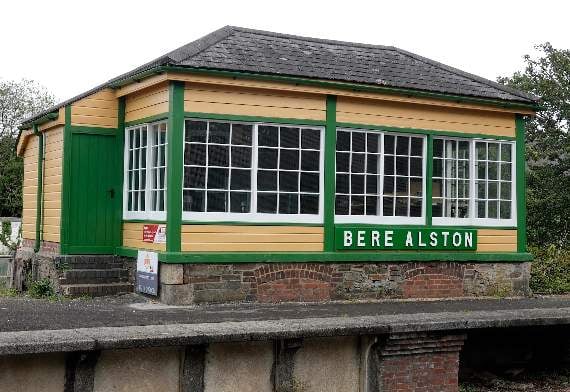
119, 184
325, 84
39, 190
65, 186
330, 174
428, 179
233, 117
330, 257
149, 119
421, 131
521, 183
93, 130
175, 166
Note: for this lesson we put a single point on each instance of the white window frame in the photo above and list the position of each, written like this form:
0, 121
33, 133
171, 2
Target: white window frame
473, 220
148, 214
253, 216
381, 219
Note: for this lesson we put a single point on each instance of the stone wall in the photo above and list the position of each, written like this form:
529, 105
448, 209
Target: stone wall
305, 282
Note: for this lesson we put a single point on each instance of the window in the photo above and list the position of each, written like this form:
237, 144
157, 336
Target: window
252, 172
145, 172
451, 178
494, 184
472, 182
379, 177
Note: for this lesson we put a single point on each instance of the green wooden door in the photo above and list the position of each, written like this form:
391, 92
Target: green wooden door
94, 197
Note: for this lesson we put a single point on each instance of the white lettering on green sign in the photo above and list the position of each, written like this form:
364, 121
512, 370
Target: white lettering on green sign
405, 239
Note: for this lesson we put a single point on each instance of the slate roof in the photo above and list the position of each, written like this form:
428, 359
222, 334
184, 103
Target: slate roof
239, 49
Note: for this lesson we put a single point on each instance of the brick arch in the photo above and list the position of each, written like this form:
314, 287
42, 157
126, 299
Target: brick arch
293, 282
433, 280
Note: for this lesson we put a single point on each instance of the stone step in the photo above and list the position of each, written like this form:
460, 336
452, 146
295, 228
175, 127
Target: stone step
97, 290
84, 276
88, 262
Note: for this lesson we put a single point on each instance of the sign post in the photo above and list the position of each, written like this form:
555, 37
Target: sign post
147, 272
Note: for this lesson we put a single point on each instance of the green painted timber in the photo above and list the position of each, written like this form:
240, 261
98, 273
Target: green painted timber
330, 174
65, 185
330, 257
119, 183
92, 223
424, 131
521, 183
39, 190
429, 182
232, 117
149, 119
93, 130
175, 166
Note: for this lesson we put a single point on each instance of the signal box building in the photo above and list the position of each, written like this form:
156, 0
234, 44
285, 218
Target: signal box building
270, 167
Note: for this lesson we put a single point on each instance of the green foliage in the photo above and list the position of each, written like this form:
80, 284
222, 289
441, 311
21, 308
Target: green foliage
6, 234
548, 145
18, 100
550, 270
42, 288
8, 293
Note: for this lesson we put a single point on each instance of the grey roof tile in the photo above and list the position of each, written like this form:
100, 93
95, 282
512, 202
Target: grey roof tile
240, 49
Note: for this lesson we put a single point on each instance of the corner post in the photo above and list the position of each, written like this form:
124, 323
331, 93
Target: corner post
65, 186
39, 191
330, 173
521, 183
119, 184
174, 156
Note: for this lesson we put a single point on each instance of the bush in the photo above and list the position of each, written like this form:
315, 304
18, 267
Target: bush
42, 288
550, 270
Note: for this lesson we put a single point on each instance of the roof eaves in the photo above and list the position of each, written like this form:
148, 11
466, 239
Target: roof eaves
490, 83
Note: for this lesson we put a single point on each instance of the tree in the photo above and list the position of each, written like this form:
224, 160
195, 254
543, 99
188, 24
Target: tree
18, 100
548, 145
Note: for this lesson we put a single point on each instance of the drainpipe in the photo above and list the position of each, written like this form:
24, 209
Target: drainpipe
39, 195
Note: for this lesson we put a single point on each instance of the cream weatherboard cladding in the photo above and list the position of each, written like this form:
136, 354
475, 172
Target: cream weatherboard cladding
99, 109
30, 188
132, 237
148, 102
51, 215
230, 100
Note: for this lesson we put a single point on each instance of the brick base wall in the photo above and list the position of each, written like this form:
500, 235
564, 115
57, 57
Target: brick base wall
419, 362
306, 282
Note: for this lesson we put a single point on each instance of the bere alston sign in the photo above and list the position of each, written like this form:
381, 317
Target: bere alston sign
370, 238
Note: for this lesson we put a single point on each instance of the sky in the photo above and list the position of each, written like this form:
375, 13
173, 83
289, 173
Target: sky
72, 46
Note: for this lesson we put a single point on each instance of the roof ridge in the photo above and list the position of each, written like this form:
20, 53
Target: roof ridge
468, 75
312, 39
199, 45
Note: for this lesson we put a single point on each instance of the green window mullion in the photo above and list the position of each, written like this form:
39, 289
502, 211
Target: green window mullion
429, 180
330, 172
175, 165
520, 183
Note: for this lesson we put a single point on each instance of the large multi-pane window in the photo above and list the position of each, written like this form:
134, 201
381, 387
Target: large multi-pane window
252, 172
451, 178
494, 182
473, 182
145, 171
379, 177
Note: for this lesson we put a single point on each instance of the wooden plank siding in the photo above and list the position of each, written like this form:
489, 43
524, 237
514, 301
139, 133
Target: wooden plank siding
132, 237
251, 102
411, 115
226, 238
30, 188
53, 150
97, 110
148, 102
493, 240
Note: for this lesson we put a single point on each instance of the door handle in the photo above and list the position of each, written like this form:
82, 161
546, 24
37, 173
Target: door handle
111, 193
